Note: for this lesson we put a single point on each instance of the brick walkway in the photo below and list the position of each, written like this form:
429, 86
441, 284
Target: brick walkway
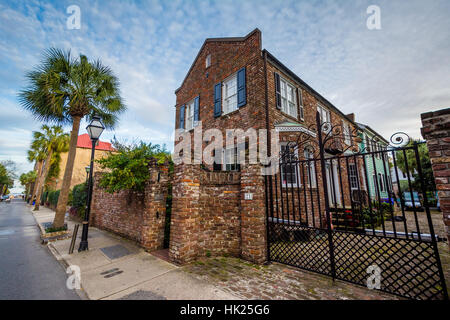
276, 281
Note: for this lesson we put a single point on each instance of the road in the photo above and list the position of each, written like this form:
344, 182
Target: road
27, 268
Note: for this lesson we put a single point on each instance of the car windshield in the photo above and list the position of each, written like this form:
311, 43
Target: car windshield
407, 196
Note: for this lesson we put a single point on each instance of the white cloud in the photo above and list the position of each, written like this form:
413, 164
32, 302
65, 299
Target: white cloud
388, 76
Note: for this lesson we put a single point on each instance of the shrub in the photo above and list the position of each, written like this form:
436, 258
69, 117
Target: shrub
78, 203
44, 197
379, 213
129, 167
53, 197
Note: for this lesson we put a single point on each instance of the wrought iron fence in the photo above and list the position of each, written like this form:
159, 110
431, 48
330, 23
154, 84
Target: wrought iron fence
336, 207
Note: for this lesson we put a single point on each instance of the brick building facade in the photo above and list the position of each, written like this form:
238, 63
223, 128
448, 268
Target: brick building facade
234, 84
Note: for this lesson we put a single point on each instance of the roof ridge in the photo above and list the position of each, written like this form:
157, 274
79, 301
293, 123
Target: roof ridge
224, 39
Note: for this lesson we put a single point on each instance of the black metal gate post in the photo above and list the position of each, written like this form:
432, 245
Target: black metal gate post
325, 194
430, 223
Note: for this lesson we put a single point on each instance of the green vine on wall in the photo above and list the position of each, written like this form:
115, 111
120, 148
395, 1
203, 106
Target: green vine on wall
128, 168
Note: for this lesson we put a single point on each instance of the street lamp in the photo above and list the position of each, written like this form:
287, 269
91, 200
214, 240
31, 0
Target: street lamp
94, 129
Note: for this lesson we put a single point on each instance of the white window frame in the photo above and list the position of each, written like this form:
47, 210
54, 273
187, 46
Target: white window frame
382, 182
354, 183
310, 168
296, 173
226, 99
208, 61
347, 135
189, 122
288, 106
230, 152
325, 115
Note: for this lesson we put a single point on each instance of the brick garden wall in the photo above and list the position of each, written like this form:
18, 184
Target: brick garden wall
436, 130
139, 216
211, 217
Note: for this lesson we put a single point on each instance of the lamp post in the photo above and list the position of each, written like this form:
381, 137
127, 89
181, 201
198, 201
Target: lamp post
94, 129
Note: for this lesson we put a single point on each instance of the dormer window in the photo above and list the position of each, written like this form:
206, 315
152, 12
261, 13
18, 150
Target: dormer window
208, 61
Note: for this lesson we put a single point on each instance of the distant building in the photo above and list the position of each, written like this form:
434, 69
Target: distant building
377, 164
402, 180
82, 159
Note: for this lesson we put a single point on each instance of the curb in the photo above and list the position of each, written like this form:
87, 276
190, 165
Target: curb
81, 293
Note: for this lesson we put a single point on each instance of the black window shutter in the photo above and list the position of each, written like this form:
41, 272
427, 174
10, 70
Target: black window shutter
183, 107
277, 91
196, 109
218, 99
241, 88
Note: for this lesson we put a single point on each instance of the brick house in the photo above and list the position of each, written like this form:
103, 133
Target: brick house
234, 83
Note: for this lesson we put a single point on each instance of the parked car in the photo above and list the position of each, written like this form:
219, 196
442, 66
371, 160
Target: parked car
408, 201
4, 197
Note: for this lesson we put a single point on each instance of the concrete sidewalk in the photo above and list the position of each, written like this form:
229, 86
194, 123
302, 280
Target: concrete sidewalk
115, 268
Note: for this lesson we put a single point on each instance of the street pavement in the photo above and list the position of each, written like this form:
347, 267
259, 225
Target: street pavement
27, 268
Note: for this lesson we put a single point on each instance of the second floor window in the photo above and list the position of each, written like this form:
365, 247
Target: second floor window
288, 98
300, 99
190, 115
229, 94
324, 117
347, 134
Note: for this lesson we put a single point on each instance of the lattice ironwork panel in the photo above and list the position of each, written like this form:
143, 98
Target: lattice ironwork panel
408, 268
299, 246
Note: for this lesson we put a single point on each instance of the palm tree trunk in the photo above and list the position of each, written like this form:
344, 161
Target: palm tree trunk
58, 222
42, 181
36, 181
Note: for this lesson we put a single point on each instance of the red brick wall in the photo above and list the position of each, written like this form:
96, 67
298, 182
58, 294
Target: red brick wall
205, 213
436, 130
136, 216
253, 215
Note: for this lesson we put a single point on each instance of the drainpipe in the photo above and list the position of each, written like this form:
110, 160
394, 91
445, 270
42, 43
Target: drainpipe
266, 90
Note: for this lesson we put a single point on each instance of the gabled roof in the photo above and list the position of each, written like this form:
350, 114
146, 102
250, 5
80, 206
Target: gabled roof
366, 127
85, 142
226, 39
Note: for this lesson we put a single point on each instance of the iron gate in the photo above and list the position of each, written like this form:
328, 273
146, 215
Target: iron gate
358, 215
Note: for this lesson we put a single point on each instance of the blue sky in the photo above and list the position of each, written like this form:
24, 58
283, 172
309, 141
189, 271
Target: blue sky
387, 77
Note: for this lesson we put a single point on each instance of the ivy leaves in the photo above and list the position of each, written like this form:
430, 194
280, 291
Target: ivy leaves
128, 169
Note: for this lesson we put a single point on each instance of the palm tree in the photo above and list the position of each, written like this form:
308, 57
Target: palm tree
26, 179
37, 153
64, 90
54, 141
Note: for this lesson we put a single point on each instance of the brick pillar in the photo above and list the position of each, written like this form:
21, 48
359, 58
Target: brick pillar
152, 237
253, 215
436, 130
184, 225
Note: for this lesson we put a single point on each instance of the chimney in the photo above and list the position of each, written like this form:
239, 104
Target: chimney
351, 116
